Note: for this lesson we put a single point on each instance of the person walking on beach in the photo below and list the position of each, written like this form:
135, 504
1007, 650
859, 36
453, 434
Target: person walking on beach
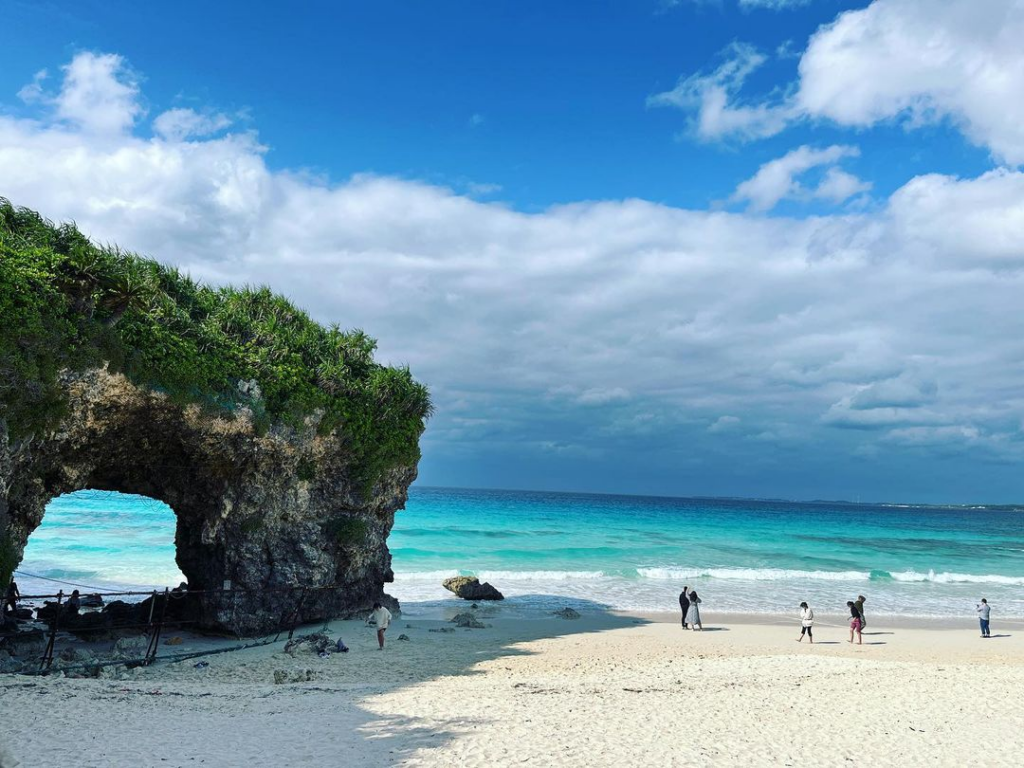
984, 611
381, 616
860, 610
693, 612
806, 623
855, 621
684, 603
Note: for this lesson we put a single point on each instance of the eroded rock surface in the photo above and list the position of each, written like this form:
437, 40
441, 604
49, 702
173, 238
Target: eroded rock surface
276, 516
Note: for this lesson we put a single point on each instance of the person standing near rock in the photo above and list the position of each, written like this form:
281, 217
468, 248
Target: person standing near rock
381, 616
684, 603
12, 597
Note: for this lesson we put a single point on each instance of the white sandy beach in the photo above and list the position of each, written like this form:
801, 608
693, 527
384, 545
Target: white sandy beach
601, 690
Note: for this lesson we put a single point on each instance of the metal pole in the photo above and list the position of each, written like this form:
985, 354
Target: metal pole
47, 659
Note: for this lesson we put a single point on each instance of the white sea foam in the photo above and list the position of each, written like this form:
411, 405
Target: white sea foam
958, 578
750, 574
439, 576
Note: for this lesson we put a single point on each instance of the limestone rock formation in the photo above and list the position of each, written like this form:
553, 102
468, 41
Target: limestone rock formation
470, 588
274, 515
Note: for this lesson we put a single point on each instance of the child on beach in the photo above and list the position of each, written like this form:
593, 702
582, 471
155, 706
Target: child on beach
806, 623
693, 613
855, 622
983, 613
860, 610
381, 616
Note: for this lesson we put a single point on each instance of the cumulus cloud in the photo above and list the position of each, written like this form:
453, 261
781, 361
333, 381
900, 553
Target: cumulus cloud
777, 179
916, 61
667, 318
99, 94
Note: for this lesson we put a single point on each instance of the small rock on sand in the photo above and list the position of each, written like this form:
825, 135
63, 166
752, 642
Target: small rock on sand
566, 613
467, 620
403, 637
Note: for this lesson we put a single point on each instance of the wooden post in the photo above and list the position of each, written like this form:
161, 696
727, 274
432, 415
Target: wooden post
155, 645
47, 659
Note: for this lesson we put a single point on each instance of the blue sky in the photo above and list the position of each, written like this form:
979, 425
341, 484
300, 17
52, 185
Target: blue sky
729, 248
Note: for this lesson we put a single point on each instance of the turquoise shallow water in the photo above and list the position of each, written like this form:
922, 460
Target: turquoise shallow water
625, 552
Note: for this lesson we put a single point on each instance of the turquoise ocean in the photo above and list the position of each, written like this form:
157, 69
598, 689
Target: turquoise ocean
624, 552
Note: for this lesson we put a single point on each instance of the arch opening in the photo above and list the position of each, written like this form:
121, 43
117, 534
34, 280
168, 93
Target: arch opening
101, 541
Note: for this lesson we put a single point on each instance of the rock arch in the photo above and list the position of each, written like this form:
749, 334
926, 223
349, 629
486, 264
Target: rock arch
265, 512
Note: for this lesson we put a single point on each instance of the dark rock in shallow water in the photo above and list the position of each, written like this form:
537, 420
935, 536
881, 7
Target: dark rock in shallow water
92, 601
467, 620
470, 588
566, 613
263, 510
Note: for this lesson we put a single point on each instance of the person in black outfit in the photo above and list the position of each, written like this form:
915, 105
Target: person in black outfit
684, 603
12, 596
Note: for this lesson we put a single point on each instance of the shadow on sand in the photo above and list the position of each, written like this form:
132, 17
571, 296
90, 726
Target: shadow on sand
348, 685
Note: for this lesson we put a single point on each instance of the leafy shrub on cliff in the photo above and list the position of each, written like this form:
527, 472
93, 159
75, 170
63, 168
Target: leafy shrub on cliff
68, 304
348, 531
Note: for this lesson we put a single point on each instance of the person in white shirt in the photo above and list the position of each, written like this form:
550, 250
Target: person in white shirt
381, 616
806, 623
983, 613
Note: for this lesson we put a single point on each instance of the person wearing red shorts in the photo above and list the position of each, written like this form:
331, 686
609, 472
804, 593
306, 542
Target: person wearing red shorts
855, 622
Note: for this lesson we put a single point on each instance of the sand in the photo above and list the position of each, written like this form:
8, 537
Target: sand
602, 690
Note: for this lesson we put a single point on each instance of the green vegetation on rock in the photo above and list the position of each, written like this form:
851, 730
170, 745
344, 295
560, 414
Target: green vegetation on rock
348, 531
69, 305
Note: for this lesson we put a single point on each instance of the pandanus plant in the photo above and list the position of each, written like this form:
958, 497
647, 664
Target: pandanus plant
130, 286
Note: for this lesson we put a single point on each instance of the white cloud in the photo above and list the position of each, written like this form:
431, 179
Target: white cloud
180, 124
99, 94
908, 314
775, 5
838, 186
712, 96
918, 61
33, 92
777, 179
725, 424
923, 61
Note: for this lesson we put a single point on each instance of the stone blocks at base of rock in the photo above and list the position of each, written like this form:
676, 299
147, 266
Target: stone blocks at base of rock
470, 588
566, 613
